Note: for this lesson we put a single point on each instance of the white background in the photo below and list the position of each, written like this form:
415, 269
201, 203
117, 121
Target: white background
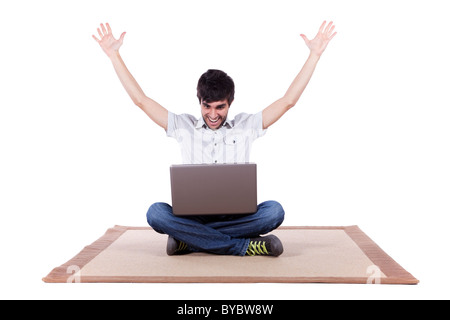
367, 144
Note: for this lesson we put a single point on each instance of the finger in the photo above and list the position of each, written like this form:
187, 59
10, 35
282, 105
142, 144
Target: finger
95, 38
332, 36
109, 28
322, 26
122, 36
100, 33
103, 29
327, 29
330, 31
304, 38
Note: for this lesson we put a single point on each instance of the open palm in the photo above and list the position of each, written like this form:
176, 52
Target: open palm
107, 41
323, 37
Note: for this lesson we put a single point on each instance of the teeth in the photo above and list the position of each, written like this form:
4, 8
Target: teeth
214, 121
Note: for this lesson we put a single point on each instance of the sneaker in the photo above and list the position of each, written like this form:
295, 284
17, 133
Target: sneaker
265, 246
175, 247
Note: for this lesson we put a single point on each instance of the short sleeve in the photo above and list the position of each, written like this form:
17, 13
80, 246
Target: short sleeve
180, 124
171, 125
258, 125
250, 124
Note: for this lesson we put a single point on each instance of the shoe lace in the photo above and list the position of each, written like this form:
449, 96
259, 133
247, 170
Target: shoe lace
181, 246
257, 248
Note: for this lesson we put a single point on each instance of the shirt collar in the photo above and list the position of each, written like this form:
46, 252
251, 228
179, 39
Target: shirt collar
201, 124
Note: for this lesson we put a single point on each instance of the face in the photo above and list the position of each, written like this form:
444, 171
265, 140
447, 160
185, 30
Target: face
214, 113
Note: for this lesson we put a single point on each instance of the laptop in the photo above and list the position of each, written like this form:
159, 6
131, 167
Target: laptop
213, 189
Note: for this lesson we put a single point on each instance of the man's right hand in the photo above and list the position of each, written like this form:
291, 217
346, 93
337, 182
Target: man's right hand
107, 42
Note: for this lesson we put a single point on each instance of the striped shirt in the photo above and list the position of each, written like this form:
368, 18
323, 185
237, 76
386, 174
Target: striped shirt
231, 143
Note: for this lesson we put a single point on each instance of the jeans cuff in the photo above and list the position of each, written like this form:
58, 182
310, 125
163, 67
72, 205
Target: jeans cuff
244, 249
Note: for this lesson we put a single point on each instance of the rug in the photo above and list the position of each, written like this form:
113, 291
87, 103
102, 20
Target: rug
311, 255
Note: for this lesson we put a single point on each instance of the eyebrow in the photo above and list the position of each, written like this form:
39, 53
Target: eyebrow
219, 106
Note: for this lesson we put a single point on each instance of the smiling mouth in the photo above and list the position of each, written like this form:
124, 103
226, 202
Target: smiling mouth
214, 121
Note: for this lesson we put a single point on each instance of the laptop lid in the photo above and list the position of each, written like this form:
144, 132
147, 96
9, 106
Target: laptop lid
213, 189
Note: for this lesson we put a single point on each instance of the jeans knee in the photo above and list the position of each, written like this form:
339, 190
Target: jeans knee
155, 214
276, 212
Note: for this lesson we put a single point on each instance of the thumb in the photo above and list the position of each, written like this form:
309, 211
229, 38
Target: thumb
304, 38
122, 36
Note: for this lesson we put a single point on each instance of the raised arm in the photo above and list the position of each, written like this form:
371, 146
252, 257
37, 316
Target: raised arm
111, 47
316, 46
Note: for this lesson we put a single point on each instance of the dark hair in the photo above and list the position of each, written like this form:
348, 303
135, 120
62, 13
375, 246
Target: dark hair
215, 85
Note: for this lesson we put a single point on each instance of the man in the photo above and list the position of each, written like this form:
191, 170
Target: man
213, 138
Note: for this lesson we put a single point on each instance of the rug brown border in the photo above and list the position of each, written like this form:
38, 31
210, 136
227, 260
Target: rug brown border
395, 274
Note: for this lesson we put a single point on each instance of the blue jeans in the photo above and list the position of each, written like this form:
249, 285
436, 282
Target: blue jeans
224, 234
